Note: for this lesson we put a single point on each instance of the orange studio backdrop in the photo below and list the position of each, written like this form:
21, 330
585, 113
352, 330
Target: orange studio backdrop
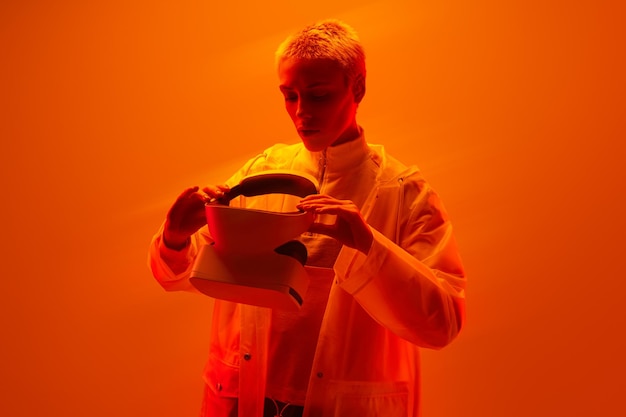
513, 110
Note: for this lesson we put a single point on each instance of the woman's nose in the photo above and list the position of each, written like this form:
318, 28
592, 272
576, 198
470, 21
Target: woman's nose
303, 111
302, 108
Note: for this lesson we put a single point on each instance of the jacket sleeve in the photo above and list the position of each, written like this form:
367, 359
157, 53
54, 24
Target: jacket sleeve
414, 288
172, 268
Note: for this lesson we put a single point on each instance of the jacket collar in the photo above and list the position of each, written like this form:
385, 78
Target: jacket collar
341, 158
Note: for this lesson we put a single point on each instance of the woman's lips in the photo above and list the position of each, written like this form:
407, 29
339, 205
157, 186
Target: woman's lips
307, 132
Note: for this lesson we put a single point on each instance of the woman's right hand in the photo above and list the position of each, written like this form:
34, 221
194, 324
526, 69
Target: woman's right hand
187, 214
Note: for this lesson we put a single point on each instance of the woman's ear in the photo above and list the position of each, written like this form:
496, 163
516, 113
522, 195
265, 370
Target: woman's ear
358, 88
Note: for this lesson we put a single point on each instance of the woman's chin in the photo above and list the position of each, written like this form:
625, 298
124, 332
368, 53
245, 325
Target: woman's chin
315, 143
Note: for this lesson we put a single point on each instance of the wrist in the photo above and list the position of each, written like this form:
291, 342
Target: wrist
174, 243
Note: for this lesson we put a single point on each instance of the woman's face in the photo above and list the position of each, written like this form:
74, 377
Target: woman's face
320, 101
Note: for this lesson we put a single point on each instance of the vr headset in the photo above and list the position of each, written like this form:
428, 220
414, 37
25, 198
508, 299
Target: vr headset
254, 258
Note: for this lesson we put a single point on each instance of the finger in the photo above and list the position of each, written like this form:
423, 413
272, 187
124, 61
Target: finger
323, 203
318, 197
215, 191
326, 209
189, 191
324, 229
216, 188
342, 210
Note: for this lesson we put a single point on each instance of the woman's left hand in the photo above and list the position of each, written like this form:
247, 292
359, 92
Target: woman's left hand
349, 228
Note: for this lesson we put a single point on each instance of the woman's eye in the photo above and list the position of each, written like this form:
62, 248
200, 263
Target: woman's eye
319, 96
291, 97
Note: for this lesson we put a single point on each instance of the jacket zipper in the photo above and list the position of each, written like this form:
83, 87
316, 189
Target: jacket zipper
322, 166
322, 171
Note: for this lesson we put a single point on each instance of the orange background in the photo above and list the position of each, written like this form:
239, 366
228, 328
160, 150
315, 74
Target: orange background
514, 110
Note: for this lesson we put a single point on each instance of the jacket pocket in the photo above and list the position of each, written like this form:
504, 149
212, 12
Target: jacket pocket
222, 377
370, 399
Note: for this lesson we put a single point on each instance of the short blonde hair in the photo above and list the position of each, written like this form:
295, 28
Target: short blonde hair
328, 39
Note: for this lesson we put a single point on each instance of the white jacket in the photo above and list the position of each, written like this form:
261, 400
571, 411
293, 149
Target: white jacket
406, 293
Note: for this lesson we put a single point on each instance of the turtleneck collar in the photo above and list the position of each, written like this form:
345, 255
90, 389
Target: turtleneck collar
340, 158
